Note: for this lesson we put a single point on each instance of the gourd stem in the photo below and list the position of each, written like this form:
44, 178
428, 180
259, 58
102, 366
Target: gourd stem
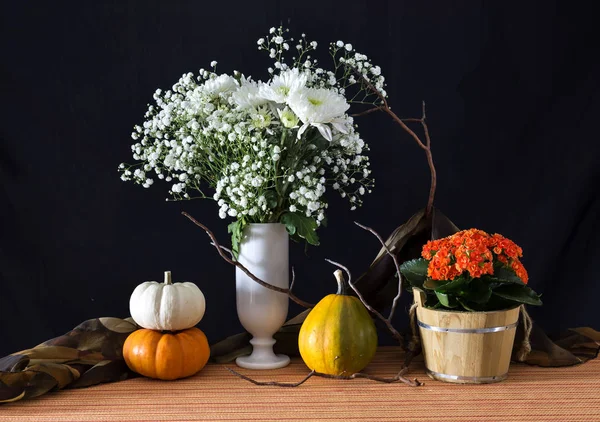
168, 277
342, 285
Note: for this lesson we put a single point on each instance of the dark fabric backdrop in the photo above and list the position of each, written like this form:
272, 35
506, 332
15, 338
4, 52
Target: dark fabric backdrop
512, 95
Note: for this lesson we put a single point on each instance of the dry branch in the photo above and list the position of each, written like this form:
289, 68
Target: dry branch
412, 345
239, 265
426, 146
396, 264
374, 311
399, 377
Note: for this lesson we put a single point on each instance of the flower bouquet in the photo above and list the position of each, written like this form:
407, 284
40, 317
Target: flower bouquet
268, 151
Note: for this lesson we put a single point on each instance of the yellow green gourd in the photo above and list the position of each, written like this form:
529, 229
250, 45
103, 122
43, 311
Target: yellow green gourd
338, 336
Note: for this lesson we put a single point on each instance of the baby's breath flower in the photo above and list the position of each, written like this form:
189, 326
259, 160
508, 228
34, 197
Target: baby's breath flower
249, 140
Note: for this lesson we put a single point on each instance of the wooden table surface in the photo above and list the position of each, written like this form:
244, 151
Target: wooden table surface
529, 394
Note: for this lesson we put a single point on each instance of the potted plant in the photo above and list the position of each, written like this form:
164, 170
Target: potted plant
468, 289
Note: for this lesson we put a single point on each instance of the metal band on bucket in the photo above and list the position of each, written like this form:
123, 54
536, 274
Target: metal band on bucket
463, 378
467, 330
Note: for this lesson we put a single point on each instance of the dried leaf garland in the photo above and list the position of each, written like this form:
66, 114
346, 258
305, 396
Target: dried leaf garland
89, 354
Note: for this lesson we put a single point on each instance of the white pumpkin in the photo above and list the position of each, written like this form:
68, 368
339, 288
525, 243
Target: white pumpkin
167, 306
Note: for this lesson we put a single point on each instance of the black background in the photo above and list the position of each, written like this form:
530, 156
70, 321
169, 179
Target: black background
512, 97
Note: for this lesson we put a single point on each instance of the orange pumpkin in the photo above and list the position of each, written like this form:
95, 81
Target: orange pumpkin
166, 356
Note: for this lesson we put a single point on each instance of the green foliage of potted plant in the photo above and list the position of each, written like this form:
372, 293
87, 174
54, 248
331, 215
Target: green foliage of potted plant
471, 271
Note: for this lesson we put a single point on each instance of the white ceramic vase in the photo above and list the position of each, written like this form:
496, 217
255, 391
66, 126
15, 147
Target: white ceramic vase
264, 251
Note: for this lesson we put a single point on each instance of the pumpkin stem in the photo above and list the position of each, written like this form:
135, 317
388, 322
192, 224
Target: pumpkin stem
342, 284
168, 277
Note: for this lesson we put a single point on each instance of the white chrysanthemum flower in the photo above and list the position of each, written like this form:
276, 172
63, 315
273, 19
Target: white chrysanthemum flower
288, 118
316, 107
246, 96
283, 85
261, 118
222, 83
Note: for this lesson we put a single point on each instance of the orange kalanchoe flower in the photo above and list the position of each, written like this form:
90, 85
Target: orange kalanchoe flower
520, 270
473, 251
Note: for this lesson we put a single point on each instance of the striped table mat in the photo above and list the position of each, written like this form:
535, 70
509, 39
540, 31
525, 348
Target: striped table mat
530, 394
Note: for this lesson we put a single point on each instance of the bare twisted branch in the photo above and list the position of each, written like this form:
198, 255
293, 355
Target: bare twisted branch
399, 377
426, 146
374, 311
396, 264
239, 265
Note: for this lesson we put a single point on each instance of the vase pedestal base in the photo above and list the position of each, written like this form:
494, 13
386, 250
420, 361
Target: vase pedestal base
262, 356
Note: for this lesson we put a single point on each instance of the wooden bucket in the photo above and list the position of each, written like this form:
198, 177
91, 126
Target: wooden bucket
466, 347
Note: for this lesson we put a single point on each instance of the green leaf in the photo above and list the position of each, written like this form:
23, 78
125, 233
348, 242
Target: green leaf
477, 291
431, 301
502, 274
470, 294
454, 285
415, 271
315, 137
491, 281
304, 226
449, 301
431, 284
290, 227
436, 305
518, 293
237, 231
272, 199
295, 238
469, 306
